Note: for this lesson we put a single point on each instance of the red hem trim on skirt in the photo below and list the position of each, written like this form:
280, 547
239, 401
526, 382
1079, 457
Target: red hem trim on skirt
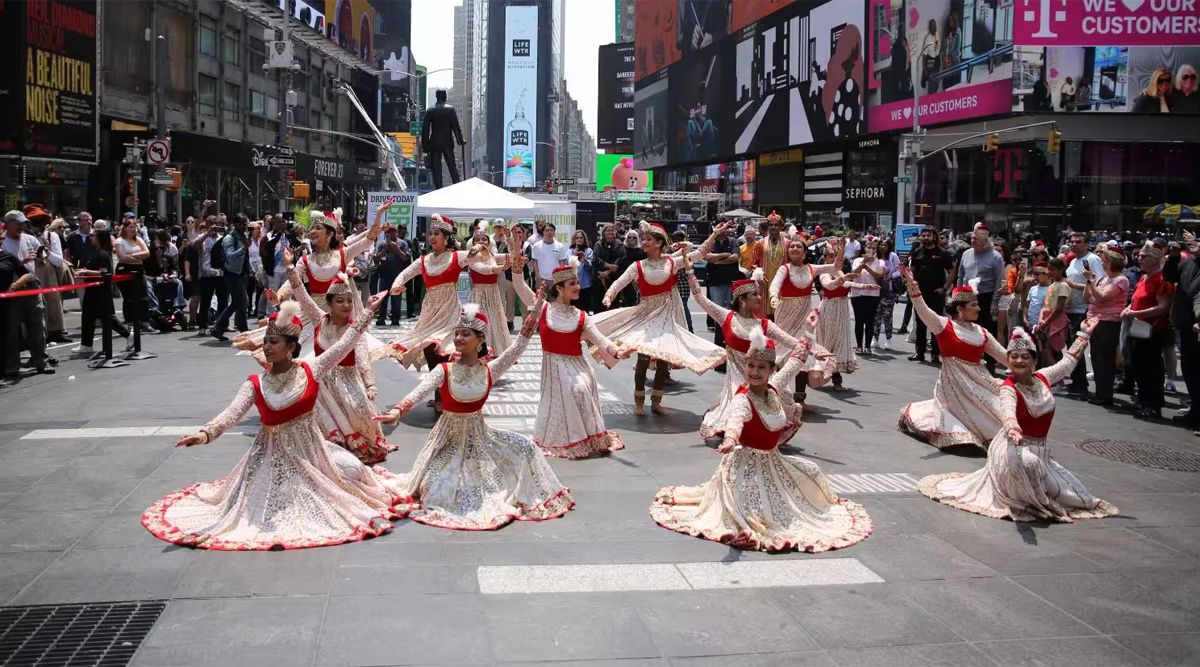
601, 443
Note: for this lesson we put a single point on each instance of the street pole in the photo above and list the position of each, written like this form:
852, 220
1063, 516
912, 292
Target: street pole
285, 85
914, 152
160, 109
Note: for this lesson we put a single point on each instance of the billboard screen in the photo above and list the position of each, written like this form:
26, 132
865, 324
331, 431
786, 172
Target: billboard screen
667, 30
619, 172
1108, 23
964, 60
614, 126
651, 121
520, 94
48, 91
746, 12
1089, 79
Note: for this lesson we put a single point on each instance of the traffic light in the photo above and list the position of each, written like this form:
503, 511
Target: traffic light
176, 179
1054, 142
300, 190
992, 143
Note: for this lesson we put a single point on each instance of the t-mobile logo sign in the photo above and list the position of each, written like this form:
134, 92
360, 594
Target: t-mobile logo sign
1008, 171
1044, 13
520, 48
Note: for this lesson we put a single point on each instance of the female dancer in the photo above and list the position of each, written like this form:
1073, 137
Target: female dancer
759, 498
433, 336
569, 424
292, 489
345, 409
965, 406
833, 325
470, 476
655, 327
486, 270
791, 296
736, 324
1020, 481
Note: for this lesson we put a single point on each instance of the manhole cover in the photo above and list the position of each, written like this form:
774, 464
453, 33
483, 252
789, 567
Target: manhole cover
76, 634
1142, 454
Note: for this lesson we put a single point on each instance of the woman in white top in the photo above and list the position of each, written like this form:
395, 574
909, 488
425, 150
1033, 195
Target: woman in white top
864, 298
931, 46
131, 253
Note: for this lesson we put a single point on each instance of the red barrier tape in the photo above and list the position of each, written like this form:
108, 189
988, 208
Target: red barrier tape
62, 288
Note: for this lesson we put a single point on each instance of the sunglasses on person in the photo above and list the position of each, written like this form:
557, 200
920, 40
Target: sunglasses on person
1163, 80
1188, 77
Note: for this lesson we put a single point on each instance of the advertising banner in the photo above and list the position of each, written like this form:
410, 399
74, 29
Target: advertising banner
1107, 23
402, 212
746, 12
618, 172
520, 95
48, 103
1078, 79
906, 236
667, 30
964, 60
651, 120
614, 126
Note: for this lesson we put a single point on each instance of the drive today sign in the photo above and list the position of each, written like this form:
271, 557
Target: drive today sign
1107, 23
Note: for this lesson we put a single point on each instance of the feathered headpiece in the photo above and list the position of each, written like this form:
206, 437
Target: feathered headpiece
748, 285
286, 321
654, 230
969, 292
472, 318
761, 348
439, 223
324, 218
341, 285
1021, 340
564, 273
335, 215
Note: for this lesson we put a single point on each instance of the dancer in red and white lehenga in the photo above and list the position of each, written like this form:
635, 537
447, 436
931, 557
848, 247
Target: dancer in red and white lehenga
834, 332
345, 406
486, 269
569, 424
433, 336
965, 408
791, 298
655, 328
736, 323
758, 498
470, 476
1020, 481
293, 489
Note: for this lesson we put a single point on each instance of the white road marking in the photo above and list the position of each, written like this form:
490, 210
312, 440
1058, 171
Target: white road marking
502, 579
882, 482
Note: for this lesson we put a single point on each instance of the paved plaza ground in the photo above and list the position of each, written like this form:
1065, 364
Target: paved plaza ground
81, 458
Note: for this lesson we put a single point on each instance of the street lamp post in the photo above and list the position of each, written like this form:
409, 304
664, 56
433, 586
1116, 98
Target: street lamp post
287, 96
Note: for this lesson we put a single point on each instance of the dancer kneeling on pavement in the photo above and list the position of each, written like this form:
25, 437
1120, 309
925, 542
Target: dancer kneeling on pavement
569, 423
965, 408
655, 328
470, 476
293, 489
758, 498
1020, 481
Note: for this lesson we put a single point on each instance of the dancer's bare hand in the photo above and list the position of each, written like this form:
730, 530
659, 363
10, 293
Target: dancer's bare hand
192, 440
372, 393
373, 304
289, 258
1015, 435
726, 446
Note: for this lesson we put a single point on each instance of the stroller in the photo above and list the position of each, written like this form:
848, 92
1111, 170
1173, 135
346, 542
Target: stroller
167, 314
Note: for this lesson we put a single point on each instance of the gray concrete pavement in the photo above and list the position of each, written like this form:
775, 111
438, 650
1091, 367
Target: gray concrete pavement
945, 586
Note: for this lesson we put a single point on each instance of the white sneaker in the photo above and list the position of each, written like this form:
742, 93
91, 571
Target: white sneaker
887, 344
1091, 376
877, 344
82, 349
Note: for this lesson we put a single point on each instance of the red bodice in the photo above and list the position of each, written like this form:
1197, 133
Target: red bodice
447, 277
301, 406
835, 292
648, 289
451, 404
557, 342
482, 278
1032, 427
789, 289
732, 340
755, 433
952, 346
348, 360
320, 287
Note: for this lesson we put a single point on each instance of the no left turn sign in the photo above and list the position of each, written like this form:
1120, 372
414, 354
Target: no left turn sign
158, 152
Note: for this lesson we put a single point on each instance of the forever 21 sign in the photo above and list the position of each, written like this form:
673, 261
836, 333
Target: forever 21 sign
329, 169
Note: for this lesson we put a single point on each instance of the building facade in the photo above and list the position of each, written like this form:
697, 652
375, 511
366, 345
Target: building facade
577, 148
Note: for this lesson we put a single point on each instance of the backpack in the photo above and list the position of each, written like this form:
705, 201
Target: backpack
216, 256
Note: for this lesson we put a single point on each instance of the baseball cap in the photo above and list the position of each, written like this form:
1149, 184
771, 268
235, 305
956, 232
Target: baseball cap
128, 214
15, 216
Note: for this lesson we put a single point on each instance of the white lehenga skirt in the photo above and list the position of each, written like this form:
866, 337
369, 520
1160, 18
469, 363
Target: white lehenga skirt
965, 408
792, 316
766, 501
656, 328
569, 423
348, 416
835, 333
491, 304
440, 312
291, 490
1018, 482
472, 477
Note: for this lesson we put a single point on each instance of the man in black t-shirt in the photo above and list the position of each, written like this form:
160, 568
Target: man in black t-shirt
722, 270
931, 265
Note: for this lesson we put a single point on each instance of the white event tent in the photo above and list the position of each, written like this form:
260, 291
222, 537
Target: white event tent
475, 197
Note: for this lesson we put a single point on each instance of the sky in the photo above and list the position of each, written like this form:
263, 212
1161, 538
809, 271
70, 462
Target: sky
590, 23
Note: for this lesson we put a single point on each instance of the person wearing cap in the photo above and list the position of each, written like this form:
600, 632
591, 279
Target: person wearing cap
49, 268
1149, 316
469, 476
1020, 481
965, 408
656, 327
24, 316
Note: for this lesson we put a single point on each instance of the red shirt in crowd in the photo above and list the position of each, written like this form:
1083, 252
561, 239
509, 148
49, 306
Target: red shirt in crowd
1149, 288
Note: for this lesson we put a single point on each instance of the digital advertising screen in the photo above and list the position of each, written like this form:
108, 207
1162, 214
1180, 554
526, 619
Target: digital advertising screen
520, 95
614, 126
619, 172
